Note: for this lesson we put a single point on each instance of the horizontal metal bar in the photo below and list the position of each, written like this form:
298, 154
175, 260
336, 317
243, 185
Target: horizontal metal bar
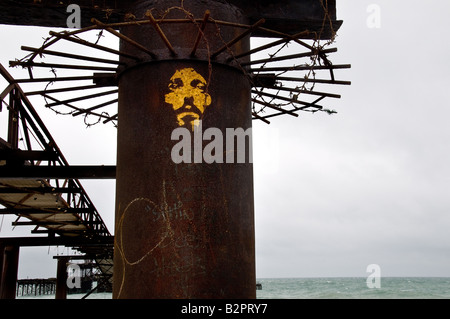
306, 80
118, 25
58, 241
40, 190
112, 118
312, 104
275, 107
45, 211
81, 98
59, 172
303, 91
95, 107
19, 155
55, 79
267, 46
283, 98
41, 231
124, 38
71, 56
63, 90
36, 223
55, 223
76, 257
92, 45
74, 107
60, 66
256, 116
289, 57
302, 68
238, 38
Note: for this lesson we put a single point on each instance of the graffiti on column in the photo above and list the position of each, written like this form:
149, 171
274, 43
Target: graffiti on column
188, 97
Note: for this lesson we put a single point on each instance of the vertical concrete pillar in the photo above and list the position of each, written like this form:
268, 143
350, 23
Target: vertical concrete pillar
184, 230
61, 278
9, 269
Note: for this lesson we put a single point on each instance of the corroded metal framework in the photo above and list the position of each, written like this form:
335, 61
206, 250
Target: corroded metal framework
283, 84
286, 70
283, 15
61, 206
55, 205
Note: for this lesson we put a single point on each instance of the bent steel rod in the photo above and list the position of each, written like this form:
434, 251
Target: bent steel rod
238, 38
86, 97
93, 45
124, 38
111, 118
75, 108
71, 56
322, 81
200, 32
76, 88
56, 39
95, 107
256, 116
60, 66
312, 104
289, 57
267, 46
55, 79
275, 107
336, 96
160, 32
288, 99
302, 68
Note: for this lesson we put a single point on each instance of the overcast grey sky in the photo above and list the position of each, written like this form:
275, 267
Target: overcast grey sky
333, 194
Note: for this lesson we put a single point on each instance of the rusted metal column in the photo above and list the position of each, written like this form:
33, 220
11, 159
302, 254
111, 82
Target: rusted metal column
2, 249
9, 267
13, 121
183, 230
61, 278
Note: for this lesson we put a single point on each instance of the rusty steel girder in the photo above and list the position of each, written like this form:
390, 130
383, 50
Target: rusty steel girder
288, 16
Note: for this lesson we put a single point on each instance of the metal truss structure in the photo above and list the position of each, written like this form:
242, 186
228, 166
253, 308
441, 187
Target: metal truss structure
283, 83
287, 64
55, 205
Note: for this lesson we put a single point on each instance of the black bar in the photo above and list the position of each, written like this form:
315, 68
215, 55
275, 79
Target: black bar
30, 211
80, 98
60, 66
71, 56
57, 241
44, 223
39, 190
20, 155
76, 88
59, 172
302, 68
289, 57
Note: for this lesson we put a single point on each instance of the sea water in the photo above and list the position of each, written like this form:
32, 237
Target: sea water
333, 288
354, 288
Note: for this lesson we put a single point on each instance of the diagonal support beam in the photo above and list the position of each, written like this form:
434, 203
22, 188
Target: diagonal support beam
238, 38
160, 32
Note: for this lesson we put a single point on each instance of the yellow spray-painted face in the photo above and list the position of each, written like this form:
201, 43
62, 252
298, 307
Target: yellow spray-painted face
188, 95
